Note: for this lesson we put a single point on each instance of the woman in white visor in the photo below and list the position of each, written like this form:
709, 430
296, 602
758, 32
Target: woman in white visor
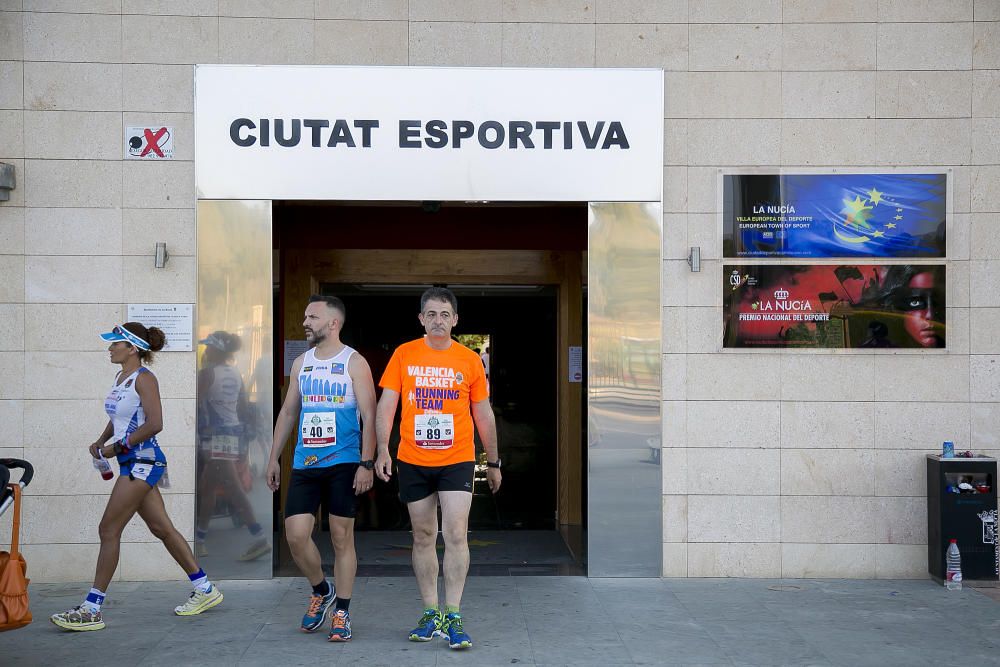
135, 417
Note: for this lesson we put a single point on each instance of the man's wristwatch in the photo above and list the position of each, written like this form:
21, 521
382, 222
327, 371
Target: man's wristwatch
368, 465
492, 464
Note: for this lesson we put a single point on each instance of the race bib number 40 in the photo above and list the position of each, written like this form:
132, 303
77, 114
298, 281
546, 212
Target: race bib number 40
319, 429
434, 431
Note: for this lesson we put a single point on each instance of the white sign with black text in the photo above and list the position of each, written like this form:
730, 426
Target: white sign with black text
423, 133
175, 319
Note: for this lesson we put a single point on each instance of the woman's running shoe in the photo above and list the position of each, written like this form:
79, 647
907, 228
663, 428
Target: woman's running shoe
340, 627
78, 619
198, 602
256, 550
428, 627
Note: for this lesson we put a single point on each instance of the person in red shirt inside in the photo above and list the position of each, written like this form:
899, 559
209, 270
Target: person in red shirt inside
445, 393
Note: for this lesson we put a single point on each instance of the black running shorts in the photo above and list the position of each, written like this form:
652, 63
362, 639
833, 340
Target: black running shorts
418, 482
331, 488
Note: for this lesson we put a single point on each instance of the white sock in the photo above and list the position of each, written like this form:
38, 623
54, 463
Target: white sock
200, 581
93, 601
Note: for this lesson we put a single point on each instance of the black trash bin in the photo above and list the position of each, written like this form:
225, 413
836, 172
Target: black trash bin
969, 516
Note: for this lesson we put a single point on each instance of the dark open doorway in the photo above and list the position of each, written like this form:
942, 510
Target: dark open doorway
517, 299
522, 390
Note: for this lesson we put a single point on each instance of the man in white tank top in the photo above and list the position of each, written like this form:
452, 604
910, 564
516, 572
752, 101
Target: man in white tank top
329, 390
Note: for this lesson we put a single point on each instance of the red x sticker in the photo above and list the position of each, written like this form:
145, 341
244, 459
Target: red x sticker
149, 143
153, 141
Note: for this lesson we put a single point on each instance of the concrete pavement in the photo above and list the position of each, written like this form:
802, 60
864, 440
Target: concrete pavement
534, 621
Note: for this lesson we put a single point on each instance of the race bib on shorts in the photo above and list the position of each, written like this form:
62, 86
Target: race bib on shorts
319, 429
225, 447
434, 431
141, 471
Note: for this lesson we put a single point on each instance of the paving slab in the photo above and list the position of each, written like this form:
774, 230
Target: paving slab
530, 621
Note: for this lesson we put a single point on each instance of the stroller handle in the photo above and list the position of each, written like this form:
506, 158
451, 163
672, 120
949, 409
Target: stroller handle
27, 471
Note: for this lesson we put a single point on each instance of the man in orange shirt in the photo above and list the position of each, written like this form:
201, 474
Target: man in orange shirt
445, 392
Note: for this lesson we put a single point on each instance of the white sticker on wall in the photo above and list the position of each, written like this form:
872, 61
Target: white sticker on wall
149, 143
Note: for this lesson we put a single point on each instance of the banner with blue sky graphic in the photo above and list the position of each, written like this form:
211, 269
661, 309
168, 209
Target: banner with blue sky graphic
834, 215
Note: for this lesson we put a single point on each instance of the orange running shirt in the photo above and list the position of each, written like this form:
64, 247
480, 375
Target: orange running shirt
435, 388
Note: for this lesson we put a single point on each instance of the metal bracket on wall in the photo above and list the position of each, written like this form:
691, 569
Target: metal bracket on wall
7, 181
694, 258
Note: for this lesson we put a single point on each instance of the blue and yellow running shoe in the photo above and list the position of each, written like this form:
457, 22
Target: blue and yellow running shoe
319, 607
456, 633
428, 627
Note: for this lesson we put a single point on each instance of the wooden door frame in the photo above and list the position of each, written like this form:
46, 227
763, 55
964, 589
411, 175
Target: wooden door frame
304, 271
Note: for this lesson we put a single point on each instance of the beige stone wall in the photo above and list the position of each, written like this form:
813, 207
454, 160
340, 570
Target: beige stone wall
774, 464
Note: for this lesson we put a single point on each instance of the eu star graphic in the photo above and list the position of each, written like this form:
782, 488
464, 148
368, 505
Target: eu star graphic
856, 211
859, 213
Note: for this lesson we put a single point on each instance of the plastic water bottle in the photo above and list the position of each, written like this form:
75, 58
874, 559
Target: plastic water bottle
103, 467
953, 575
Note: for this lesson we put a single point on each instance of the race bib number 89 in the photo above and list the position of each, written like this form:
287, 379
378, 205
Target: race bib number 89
226, 447
434, 431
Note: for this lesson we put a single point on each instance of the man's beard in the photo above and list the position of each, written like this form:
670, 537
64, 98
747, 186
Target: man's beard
317, 338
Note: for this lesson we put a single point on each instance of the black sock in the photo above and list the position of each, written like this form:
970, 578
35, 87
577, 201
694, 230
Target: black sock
322, 588
341, 603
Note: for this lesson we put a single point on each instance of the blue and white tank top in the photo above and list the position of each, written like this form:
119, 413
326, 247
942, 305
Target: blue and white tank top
219, 410
329, 428
124, 408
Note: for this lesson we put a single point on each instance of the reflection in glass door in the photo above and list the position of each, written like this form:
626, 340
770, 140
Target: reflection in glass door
234, 515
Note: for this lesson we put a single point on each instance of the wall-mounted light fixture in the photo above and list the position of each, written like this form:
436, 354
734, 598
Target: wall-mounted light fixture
694, 258
161, 255
7, 182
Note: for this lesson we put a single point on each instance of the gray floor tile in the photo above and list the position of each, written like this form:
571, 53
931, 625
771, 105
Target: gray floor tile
675, 643
391, 653
585, 652
763, 643
535, 621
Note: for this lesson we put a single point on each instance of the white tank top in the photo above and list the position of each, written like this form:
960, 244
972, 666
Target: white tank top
223, 396
124, 408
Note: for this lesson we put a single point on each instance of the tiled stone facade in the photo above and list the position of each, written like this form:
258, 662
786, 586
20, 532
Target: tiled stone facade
774, 464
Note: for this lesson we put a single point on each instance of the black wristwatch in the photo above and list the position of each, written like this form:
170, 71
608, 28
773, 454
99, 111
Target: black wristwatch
368, 465
491, 464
